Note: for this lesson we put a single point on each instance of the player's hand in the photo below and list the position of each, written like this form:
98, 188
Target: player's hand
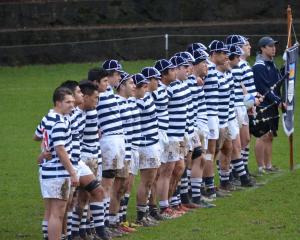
283, 106
200, 81
74, 180
47, 155
251, 111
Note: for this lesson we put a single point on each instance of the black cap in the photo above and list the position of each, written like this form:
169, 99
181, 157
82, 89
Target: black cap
264, 41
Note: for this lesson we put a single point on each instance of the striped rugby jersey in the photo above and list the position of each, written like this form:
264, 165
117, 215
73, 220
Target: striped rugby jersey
160, 98
224, 99
149, 122
230, 80
47, 123
178, 110
202, 109
127, 122
247, 77
136, 128
211, 91
195, 91
109, 118
90, 136
190, 109
58, 130
238, 90
77, 120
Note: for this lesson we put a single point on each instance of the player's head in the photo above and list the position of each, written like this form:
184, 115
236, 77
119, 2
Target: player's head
126, 86
99, 77
153, 75
114, 69
182, 67
63, 100
200, 64
167, 70
218, 52
90, 95
74, 87
141, 84
234, 54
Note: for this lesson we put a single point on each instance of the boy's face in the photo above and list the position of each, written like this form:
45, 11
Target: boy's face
129, 88
141, 91
114, 79
182, 72
153, 84
78, 96
201, 69
246, 49
66, 105
90, 102
102, 84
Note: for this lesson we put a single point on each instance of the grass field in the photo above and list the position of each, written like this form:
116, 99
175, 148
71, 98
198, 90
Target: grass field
269, 212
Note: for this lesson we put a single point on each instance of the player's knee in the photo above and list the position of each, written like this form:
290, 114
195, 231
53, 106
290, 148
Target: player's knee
109, 173
94, 184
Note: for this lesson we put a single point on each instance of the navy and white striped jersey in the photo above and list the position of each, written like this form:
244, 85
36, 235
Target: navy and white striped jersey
161, 100
149, 122
77, 120
178, 110
224, 99
211, 91
136, 128
238, 90
58, 131
247, 77
109, 118
190, 110
230, 80
202, 109
127, 122
90, 138
195, 91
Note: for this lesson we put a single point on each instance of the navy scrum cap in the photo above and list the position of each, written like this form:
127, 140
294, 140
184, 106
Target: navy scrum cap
195, 46
124, 77
235, 50
200, 55
186, 55
151, 72
236, 40
264, 41
112, 65
139, 79
163, 64
178, 61
218, 46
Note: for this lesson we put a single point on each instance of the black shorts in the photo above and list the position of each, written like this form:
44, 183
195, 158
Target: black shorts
265, 121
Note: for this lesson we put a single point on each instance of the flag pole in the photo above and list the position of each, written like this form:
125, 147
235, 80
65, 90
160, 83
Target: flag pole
289, 44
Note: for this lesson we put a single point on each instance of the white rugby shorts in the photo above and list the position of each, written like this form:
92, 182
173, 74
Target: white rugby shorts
213, 127
149, 156
241, 116
112, 151
57, 188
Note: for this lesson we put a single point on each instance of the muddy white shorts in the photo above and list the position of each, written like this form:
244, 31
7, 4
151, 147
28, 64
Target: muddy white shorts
241, 116
134, 163
82, 169
203, 131
112, 151
175, 151
233, 128
149, 156
57, 188
213, 127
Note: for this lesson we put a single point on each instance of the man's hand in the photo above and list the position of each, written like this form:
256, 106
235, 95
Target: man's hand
74, 180
200, 81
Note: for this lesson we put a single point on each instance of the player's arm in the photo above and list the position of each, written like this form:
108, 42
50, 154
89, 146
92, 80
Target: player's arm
65, 161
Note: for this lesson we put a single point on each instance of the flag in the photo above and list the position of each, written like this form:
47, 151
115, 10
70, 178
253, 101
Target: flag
290, 68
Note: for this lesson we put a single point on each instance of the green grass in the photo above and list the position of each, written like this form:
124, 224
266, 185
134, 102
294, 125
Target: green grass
270, 212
